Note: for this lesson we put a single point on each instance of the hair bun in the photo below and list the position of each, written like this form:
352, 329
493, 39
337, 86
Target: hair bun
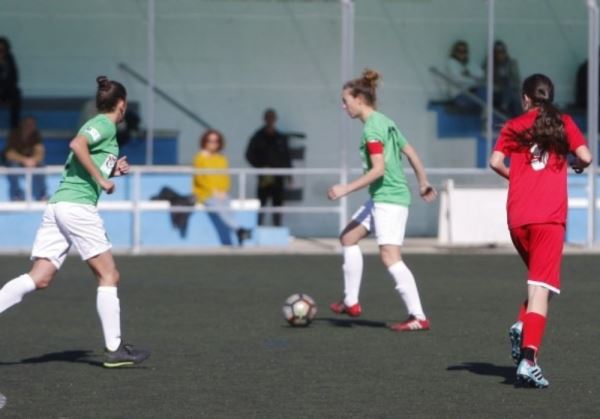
103, 83
371, 77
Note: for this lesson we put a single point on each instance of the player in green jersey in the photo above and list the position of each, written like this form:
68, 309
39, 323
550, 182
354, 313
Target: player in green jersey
71, 219
385, 213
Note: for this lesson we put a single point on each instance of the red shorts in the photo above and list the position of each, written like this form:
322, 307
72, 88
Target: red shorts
541, 247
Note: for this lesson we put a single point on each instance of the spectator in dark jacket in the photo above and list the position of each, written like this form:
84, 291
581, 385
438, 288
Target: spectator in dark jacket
507, 81
9, 79
268, 148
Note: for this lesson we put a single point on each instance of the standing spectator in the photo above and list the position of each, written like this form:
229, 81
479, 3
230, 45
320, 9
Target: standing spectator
25, 149
507, 81
268, 148
581, 86
212, 189
469, 76
538, 144
9, 79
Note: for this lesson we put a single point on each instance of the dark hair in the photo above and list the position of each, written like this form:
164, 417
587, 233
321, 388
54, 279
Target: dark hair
548, 130
500, 45
460, 44
365, 86
269, 111
6, 43
204, 139
109, 93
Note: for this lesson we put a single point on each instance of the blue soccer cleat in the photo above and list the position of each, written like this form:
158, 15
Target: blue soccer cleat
515, 333
529, 374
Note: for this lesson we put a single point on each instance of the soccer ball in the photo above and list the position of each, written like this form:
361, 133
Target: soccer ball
299, 310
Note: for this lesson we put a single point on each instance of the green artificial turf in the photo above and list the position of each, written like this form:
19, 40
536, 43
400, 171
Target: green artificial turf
221, 349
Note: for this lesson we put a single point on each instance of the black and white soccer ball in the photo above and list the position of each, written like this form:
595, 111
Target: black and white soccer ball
299, 310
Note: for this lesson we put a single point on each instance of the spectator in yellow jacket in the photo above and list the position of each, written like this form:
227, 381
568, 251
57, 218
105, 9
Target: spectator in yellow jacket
212, 189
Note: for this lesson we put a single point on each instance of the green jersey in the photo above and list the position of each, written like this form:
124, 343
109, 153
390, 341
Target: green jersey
77, 185
392, 187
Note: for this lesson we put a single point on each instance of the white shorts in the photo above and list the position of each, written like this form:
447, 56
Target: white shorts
386, 221
65, 224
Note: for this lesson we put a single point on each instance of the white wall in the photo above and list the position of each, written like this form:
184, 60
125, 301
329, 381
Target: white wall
229, 60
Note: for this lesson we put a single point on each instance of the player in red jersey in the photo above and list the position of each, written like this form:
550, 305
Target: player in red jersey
538, 143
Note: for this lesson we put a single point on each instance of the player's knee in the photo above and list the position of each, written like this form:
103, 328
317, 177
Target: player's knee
343, 240
347, 240
385, 258
389, 258
110, 279
42, 282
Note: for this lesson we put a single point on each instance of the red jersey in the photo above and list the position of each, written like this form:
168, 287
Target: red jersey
537, 191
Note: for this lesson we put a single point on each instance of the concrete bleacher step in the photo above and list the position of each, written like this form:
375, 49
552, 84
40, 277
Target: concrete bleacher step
271, 236
455, 123
157, 227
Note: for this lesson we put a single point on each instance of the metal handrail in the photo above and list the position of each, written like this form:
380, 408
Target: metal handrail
168, 98
138, 205
466, 92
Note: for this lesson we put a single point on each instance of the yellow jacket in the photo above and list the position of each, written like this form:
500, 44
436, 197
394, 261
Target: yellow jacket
206, 185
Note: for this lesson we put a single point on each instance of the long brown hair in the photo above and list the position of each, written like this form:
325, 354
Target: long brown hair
365, 86
548, 130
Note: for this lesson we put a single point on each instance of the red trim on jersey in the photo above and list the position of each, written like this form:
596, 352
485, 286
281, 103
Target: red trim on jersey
375, 147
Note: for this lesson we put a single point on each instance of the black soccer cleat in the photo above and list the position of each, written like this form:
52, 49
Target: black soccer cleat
125, 355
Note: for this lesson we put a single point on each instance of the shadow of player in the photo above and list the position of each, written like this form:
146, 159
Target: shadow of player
76, 356
351, 322
486, 368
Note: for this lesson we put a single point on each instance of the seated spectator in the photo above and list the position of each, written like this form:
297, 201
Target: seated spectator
212, 189
10, 94
25, 149
469, 76
507, 81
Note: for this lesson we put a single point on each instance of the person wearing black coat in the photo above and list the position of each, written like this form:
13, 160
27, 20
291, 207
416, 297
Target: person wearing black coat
9, 79
268, 148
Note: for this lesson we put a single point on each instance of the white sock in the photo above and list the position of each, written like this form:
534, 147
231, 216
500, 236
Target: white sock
109, 311
407, 287
353, 269
13, 291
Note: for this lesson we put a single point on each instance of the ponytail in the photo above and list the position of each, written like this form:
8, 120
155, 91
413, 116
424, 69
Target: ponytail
548, 131
365, 86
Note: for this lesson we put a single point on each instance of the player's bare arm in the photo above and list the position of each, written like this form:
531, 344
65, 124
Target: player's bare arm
426, 190
497, 164
583, 158
376, 171
81, 150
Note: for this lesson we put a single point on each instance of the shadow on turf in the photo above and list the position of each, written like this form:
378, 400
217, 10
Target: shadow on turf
351, 322
77, 356
486, 368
